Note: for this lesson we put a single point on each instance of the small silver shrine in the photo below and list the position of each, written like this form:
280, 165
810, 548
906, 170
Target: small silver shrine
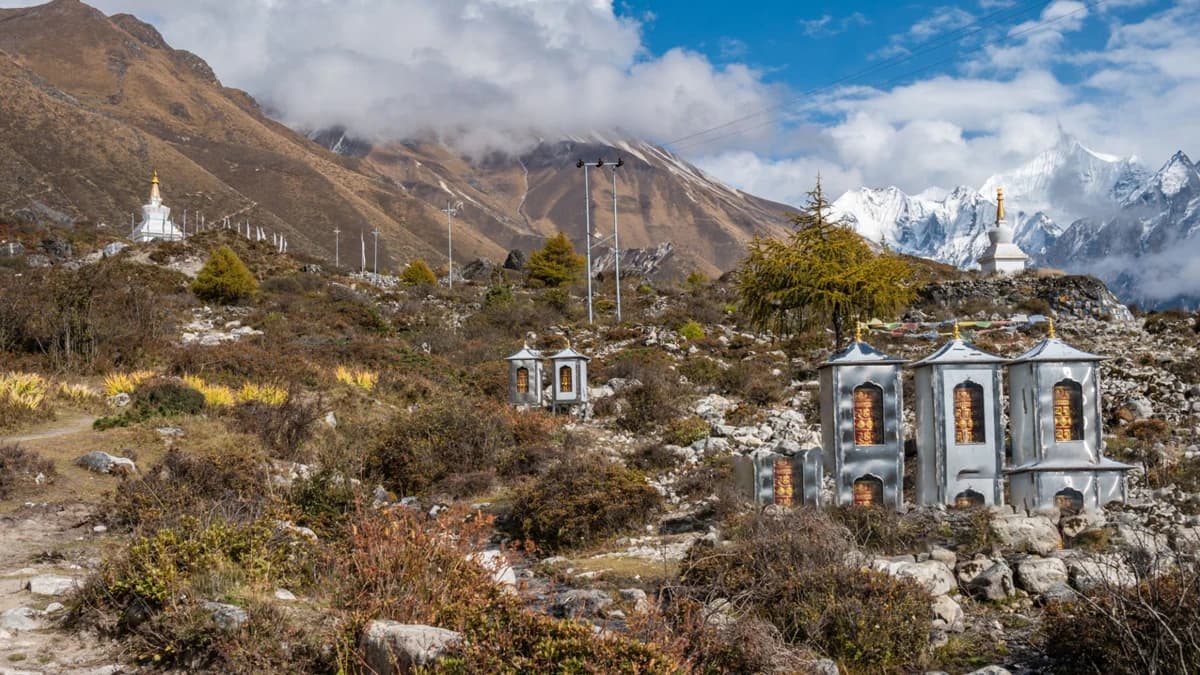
568, 374
1054, 403
862, 437
960, 437
156, 219
525, 378
772, 477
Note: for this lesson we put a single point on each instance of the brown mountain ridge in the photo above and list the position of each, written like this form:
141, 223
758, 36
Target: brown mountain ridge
93, 104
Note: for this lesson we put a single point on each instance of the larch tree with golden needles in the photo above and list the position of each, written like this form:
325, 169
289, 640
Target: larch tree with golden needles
224, 278
824, 275
555, 264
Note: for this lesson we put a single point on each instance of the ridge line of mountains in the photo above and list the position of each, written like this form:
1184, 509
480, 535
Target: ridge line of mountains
1071, 208
94, 104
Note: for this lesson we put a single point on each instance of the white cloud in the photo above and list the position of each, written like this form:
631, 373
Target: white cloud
828, 25
485, 74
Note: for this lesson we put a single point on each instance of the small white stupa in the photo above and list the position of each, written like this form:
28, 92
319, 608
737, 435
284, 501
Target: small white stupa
1002, 255
156, 219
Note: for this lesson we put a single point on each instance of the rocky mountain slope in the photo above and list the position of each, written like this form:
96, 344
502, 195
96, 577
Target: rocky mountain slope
93, 104
1071, 207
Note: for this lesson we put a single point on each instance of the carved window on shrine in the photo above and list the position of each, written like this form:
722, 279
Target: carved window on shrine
1069, 500
566, 380
868, 491
868, 415
1068, 411
522, 380
785, 491
968, 413
968, 498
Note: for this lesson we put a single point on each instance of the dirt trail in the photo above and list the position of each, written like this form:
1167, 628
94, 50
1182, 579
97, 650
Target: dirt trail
55, 544
62, 427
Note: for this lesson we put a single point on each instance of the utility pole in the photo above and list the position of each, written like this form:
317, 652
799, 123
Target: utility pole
617, 237
587, 208
375, 233
451, 210
337, 248
587, 232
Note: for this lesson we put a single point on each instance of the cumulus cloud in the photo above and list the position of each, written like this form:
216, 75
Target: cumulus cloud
483, 74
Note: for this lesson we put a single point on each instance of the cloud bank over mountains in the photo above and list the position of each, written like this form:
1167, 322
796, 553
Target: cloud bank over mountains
499, 74
483, 74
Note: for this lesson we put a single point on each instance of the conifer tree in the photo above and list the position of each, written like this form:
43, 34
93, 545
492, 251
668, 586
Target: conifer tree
825, 274
224, 278
418, 273
556, 263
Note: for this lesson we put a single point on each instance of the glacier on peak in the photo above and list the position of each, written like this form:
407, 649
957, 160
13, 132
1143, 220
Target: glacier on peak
1071, 208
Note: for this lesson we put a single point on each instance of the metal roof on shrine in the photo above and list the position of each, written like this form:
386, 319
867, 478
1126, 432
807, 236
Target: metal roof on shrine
957, 352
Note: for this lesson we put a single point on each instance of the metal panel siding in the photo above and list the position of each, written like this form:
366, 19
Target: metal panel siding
886, 461
926, 438
534, 396
942, 459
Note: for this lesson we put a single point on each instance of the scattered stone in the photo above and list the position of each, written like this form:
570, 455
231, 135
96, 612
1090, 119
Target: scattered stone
228, 618
99, 529
636, 598
289, 526
515, 261
934, 576
1060, 592
54, 608
994, 584
1092, 572
391, 648
1039, 575
21, 618
1074, 525
331, 420
285, 595
580, 604
944, 556
119, 400
102, 462
174, 432
51, 585
967, 570
1027, 534
990, 670
495, 562
822, 667
949, 613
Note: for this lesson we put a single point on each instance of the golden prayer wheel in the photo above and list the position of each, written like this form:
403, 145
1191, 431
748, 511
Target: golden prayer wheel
785, 491
867, 492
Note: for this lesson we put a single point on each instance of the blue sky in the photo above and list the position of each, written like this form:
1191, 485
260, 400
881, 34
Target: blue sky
1122, 76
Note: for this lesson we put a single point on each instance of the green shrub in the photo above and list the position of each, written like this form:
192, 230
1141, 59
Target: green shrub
169, 570
653, 457
446, 437
224, 278
556, 263
792, 572
686, 430
498, 297
158, 398
691, 330
403, 566
20, 470
417, 273
582, 501
1153, 627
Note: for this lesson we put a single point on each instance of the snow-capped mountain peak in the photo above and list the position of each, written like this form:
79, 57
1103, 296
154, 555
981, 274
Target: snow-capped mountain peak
1176, 176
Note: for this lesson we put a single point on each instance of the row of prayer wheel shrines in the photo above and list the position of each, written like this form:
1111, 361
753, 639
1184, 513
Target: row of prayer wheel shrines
1055, 425
1054, 417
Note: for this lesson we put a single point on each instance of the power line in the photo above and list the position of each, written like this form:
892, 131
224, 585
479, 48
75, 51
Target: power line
692, 141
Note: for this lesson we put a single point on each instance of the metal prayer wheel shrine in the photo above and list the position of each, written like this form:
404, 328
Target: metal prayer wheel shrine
960, 437
1054, 401
525, 378
773, 478
568, 376
862, 437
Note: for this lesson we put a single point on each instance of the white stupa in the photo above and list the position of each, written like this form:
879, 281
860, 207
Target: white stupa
156, 219
1002, 255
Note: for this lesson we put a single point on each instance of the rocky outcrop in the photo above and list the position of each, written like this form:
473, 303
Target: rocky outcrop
391, 648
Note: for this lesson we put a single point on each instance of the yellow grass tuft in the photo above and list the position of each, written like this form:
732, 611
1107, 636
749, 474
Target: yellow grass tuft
262, 393
125, 383
363, 379
24, 390
77, 393
215, 395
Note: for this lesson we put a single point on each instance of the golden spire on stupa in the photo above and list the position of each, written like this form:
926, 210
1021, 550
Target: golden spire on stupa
999, 204
957, 333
